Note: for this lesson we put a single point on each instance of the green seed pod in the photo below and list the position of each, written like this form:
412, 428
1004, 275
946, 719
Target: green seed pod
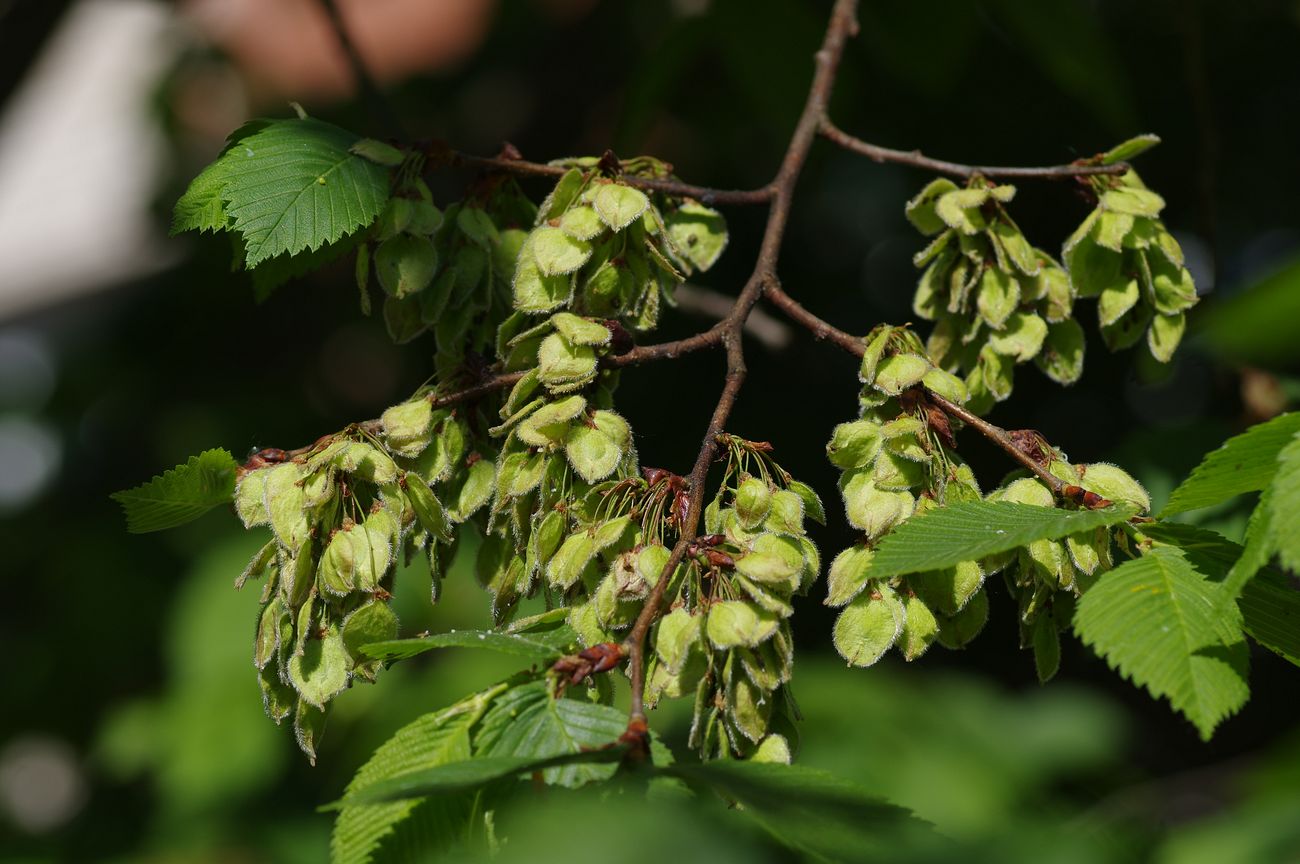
1062, 356
405, 264
428, 509
748, 706
1022, 337
753, 498
946, 384
321, 672
278, 698
697, 233
854, 444
958, 631
1012, 246
1046, 641
848, 575
477, 225
425, 218
555, 252
960, 209
1111, 481
286, 503
999, 296
570, 560
773, 560
618, 206
785, 513
919, 629
896, 373
250, 498
732, 623
595, 449
893, 472
1165, 333
1110, 229
561, 364
394, 218
948, 591
548, 425
535, 291
920, 211
580, 331
373, 621
870, 508
869, 626
308, 727
407, 427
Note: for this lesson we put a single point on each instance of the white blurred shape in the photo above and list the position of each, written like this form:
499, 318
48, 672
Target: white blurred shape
80, 156
29, 460
41, 785
27, 370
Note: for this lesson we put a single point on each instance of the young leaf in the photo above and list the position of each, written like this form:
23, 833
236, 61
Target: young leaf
1126, 150
296, 185
181, 494
1244, 463
1269, 602
533, 647
1156, 620
481, 770
528, 723
971, 530
363, 831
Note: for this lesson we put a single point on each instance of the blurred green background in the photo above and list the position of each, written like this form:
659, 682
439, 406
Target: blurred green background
132, 728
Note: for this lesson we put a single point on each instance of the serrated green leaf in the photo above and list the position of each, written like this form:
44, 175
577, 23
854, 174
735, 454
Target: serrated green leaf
972, 530
1269, 602
481, 770
181, 494
1244, 463
361, 832
536, 648
1156, 620
201, 208
296, 185
526, 722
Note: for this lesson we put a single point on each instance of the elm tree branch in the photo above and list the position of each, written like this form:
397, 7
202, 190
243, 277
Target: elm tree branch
917, 159
842, 25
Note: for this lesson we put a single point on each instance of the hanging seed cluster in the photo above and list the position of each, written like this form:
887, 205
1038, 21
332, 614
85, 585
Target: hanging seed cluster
1047, 576
897, 462
1123, 255
447, 272
727, 639
600, 259
996, 300
339, 515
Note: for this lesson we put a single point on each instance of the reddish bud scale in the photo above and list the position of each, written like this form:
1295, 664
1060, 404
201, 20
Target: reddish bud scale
1083, 497
717, 558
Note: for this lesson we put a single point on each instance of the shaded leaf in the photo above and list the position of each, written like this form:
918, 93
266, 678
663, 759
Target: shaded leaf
1156, 620
180, 495
971, 530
